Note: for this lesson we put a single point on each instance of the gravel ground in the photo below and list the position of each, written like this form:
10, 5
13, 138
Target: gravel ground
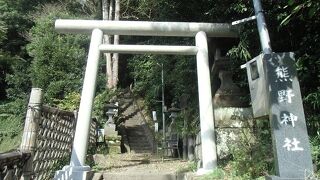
135, 163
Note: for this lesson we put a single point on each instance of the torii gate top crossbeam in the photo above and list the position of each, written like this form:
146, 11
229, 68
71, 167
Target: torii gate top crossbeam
145, 28
142, 49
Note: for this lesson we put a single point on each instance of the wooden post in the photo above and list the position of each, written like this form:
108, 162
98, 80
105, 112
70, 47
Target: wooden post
28, 143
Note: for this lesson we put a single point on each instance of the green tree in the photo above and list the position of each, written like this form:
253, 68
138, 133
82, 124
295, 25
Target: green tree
57, 59
14, 23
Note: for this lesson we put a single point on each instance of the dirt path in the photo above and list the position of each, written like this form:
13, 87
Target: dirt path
139, 163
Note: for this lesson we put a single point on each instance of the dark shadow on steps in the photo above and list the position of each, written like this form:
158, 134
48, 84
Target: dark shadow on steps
126, 105
123, 119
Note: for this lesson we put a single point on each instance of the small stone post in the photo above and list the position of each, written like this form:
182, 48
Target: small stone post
28, 143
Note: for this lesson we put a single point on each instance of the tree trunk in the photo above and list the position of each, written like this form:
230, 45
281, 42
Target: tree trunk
105, 9
115, 58
111, 10
105, 16
111, 63
108, 64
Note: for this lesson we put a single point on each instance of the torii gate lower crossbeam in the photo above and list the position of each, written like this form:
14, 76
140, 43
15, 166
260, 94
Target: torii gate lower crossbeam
77, 168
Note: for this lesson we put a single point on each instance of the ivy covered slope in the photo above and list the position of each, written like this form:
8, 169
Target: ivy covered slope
32, 54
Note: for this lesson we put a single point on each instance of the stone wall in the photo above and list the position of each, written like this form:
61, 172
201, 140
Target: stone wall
230, 124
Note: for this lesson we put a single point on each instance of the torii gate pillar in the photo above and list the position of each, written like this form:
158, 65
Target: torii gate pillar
77, 169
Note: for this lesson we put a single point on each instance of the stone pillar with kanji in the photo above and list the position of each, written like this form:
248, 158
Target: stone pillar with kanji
290, 138
275, 92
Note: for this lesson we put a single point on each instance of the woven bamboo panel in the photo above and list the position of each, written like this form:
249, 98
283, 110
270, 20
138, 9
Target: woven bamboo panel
54, 141
11, 164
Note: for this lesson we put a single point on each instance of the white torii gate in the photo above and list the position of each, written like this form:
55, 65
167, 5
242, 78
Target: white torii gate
77, 168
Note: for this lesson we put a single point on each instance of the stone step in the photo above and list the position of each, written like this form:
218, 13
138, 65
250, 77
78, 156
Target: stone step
139, 145
140, 151
135, 134
146, 176
127, 108
133, 124
142, 142
140, 148
134, 129
133, 119
137, 138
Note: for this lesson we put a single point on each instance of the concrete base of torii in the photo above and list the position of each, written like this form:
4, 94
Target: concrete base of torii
203, 171
74, 173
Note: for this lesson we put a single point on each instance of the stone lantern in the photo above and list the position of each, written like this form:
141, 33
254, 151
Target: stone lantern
173, 139
113, 140
173, 113
232, 112
112, 110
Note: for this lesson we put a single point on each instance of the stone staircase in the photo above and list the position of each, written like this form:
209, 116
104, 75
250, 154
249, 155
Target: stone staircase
138, 141
137, 136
